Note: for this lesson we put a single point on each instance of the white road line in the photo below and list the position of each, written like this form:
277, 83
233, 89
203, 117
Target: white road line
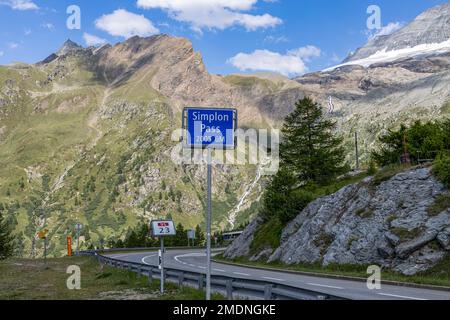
177, 258
144, 258
191, 265
275, 279
120, 255
241, 274
397, 296
201, 267
219, 270
325, 286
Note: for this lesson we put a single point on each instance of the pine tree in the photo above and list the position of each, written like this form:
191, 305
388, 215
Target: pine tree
6, 238
310, 149
199, 236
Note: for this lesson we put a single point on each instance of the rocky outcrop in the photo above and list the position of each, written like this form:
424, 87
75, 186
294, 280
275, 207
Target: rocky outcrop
387, 224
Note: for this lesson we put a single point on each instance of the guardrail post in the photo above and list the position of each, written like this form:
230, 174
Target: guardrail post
150, 276
268, 292
230, 289
181, 279
200, 282
139, 270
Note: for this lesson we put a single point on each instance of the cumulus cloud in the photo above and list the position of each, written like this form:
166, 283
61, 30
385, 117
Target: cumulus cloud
291, 63
386, 30
13, 45
2, 53
306, 53
20, 4
123, 23
213, 14
92, 40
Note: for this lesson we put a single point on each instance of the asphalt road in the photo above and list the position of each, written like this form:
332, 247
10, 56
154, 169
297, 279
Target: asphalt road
195, 260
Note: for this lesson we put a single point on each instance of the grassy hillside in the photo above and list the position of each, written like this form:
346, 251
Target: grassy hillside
74, 148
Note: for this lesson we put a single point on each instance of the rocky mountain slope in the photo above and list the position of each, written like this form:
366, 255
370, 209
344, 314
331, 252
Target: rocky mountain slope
432, 27
395, 224
85, 134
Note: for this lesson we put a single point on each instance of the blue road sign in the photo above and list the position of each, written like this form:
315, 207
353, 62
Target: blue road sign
209, 128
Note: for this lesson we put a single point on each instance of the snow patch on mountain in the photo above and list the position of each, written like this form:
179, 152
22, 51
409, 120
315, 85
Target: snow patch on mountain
393, 55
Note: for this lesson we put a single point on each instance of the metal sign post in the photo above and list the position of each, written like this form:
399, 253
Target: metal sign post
208, 228
209, 129
161, 229
191, 237
161, 263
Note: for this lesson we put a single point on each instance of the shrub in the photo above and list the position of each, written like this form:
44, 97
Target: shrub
441, 168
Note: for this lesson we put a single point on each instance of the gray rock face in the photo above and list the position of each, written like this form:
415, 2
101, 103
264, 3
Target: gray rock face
387, 225
241, 246
432, 26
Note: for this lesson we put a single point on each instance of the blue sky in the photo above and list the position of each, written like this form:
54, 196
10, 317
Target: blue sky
288, 36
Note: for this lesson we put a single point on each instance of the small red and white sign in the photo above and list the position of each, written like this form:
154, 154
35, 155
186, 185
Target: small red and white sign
162, 228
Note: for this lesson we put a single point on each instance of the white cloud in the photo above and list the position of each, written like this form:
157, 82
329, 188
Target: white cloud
213, 14
2, 53
92, 40
274, 39
13, 45
20, 4
126, 24
48, 25
386, 30
291, 63
27, 32
306, 53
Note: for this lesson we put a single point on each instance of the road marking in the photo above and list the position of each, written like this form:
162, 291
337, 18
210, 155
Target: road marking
201, 267
144, 258
219, 270
325, 286
119, 256
177, 258
397, 296
241, 274
191, 265
275, 279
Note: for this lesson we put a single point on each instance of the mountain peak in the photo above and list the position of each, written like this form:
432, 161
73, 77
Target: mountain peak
430, 27
68, 47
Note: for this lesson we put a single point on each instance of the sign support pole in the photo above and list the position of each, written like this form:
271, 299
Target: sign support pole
208, 228
162, 264
45, 250
78, 241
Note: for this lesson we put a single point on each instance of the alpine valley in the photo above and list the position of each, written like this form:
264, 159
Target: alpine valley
86, 134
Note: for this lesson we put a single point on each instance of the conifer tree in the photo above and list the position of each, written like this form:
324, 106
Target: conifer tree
310, 148
6, 238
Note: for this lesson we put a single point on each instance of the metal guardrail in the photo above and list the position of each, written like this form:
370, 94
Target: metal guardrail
231, 287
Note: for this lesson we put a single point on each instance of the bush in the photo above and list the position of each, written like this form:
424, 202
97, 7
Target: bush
441, 168
298, 201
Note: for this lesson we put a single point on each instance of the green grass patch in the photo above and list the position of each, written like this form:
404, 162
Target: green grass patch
387, 173
30, 279
406, 234
441, 203
267, 236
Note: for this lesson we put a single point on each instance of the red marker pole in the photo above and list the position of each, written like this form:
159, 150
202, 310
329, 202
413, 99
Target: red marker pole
69, 246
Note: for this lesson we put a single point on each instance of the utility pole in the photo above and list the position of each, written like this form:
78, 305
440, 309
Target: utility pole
356, 151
